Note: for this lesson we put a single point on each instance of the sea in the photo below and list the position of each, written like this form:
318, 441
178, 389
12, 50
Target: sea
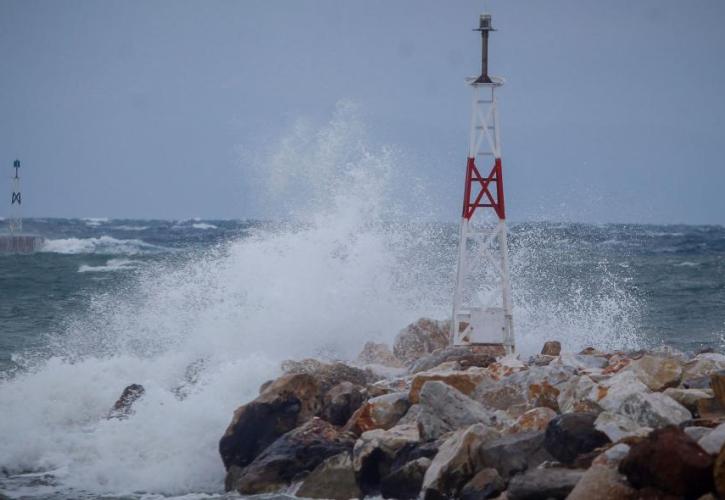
201, 312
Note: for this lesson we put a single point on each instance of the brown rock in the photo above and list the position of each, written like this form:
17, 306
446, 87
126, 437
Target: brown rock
292, 456
465, 381
551, 348
420, 338
341, 402
378, 354
375, 452
543, 484
465, 356
535, 419
286, 403
717, 382
487, 483
544, 394
719, 473
602, 483
670, 461
329, 375
571, 435
688, 398
382, 412
657, 373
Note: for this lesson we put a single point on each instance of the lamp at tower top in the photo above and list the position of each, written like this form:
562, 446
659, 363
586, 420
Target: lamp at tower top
485, 26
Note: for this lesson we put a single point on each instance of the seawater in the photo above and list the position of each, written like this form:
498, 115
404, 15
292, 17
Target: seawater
201, 312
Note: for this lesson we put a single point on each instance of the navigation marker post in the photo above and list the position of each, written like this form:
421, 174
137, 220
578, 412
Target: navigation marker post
482, 308
15, 223
15, 241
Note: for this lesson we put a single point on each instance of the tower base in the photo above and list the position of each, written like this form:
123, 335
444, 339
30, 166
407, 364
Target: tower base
20, 243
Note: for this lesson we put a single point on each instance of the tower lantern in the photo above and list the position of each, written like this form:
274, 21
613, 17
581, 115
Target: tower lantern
482, 308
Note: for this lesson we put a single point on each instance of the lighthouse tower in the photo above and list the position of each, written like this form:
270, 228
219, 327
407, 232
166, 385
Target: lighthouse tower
482, 308
15, 224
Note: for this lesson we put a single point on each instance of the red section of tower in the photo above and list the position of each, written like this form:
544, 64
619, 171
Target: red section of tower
480, 185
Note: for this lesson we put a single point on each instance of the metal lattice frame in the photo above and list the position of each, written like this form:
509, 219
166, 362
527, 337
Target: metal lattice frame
483, 246
15, 223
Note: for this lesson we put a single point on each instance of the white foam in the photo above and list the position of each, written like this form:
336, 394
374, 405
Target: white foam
111, 265
102, 245
203, 225
124, 227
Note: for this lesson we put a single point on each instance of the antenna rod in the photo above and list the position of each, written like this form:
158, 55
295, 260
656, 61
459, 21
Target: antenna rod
484, 26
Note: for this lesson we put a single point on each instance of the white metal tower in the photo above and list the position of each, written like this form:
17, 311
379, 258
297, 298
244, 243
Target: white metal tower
482, 308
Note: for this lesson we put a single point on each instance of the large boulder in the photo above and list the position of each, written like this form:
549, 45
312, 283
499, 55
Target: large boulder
487, 483
574, 396
378, 354
420, 338
456, 462
688, 398
465, 381
654, 410
713, 441
571, 435
617, 426
536, 419
404, 482
375, 452
292, 456
514, 453
381, 412
334, 479
600, 482
657, 373
702, 366
443, 408
284, 404
670, 461
719, 473
464, 356
329, 375
341, 402
551, 348
543, 484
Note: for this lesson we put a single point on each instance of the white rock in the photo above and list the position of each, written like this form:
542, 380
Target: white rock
574, 394
387, 441
610, 394
654, 409
697, 433
617, 426
712, 442
657, 373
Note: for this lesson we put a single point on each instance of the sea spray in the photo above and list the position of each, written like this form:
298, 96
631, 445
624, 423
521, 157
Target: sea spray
202, 333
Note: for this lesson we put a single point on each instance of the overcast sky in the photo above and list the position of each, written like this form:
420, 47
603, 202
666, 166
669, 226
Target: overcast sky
612, 111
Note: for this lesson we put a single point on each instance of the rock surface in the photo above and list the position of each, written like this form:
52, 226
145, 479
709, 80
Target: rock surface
378, 354
602, 483
542, 484
668, 460
381, 412
341, 402
465, 381
405, 482
123, 407
487, 483
420, 338
516, 453
444, 408
464, 356
571, 435
657, 373
551, 348
290, 457
334, 478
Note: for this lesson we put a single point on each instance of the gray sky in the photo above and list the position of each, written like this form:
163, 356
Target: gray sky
612, 111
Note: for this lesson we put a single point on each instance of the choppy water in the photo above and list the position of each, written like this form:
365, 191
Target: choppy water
202, 312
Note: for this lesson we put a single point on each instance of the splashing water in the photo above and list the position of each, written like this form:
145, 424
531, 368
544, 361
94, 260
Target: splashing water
203, 334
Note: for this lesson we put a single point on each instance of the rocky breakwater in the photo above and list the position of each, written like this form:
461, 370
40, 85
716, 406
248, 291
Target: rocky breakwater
425, 420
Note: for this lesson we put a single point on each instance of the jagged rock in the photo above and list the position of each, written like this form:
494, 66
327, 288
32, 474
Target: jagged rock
611, 393
378, 354
719, 473
696, 433
381, 412
375, 451
411, 416
654, 410
670, 461
541, 360
657, 373
285, 404
688, 397
329, 375
536, 419
404, 482
551, 348
583, 361
122, 408
617, 427
503, 396
292, 456
341, 402
696, 383
574, 396
713, 441
420, 338
571, 435
465, 381
703, 365
456, 462
334, 479
487, 483
505, 367
443, 408
710, 408
600, 482
514, 453
717, 382
465, 356
612, 456
542, 484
